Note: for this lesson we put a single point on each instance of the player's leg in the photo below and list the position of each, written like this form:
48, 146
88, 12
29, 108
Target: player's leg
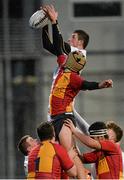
66, 140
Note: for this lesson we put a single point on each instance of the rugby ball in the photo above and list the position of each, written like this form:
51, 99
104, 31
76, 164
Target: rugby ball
38, 19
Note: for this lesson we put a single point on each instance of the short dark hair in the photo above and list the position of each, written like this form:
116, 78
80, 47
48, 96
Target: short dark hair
118, 131
22, 145
45, 131
82, 35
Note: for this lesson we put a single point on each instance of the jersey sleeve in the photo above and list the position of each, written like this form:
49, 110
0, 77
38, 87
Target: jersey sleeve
108, 146
53, 47
47, 44
31, 159
90, 157
57, 39
90, 85
62, 154
66, 48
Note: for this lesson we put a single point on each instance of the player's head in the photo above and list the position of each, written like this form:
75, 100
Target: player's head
79, 39
45, 131
75, 61
115, 132
26, 144
98, 130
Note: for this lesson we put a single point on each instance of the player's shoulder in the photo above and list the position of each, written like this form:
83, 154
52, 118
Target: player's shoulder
61, 59
109, 144
76, 75
56, 144
58, 147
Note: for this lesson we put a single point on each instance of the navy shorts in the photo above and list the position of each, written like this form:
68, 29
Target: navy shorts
58, 121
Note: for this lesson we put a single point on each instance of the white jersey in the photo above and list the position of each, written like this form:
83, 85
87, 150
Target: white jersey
26, 166
76, 49
123, 163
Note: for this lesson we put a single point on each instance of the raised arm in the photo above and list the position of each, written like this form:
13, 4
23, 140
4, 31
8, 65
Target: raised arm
85, 139
95, 85
58, 46
47, 44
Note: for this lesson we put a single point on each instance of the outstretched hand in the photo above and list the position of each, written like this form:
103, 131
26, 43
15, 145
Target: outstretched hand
50, 12
106, 84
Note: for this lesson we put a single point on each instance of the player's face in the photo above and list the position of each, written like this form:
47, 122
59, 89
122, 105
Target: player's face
73, 40
111, 134
31, 142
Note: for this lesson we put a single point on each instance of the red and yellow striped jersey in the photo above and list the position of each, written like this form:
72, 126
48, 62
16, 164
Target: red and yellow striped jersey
65, 87
108, 160
47, 161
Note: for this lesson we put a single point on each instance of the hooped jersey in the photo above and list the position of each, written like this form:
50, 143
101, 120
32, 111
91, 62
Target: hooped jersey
65, 87
108, 160
47, 161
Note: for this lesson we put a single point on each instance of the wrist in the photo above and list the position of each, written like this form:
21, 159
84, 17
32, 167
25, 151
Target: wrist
100, 86
54, 22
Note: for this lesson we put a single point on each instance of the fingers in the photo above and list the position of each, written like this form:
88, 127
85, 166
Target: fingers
48, 8
68, 122
50, 12
109, 83
106, 84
